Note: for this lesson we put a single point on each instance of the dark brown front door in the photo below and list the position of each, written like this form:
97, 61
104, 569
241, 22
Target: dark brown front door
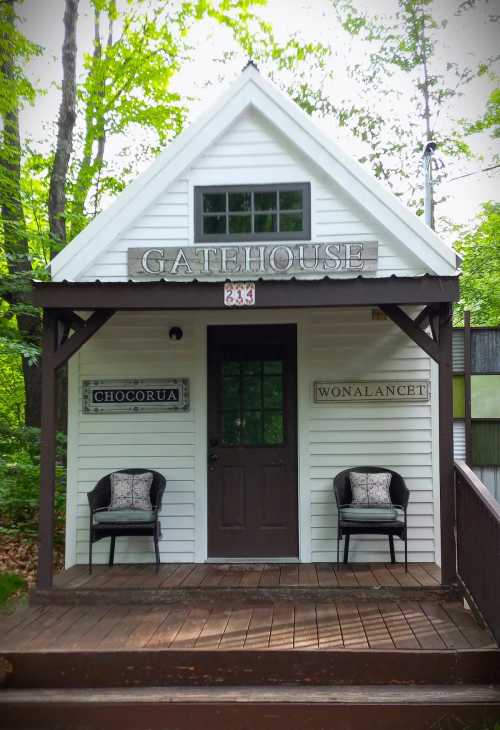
252, 442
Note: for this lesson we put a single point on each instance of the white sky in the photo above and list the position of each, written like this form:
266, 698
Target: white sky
466, 42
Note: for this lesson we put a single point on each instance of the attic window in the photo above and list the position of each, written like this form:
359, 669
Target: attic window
253, 213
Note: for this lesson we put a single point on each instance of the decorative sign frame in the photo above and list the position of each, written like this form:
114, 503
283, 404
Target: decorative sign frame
371, 391
135, 396
247, 262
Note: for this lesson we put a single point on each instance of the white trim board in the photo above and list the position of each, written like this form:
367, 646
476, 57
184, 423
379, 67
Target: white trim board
252, 91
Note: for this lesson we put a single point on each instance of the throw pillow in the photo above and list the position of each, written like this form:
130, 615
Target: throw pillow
369, 489
131, 491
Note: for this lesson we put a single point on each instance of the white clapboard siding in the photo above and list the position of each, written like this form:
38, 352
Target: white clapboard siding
333, 344
137, 345
347, 344
458, 352
252, 152
459, 440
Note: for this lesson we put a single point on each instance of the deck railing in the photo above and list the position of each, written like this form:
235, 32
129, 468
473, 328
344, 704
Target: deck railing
478, 545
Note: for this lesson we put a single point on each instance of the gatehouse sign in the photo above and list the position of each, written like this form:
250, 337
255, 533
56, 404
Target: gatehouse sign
135, 396
374, 390
246, 262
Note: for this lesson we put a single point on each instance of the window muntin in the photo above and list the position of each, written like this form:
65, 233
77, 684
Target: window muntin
253, 213
253, 403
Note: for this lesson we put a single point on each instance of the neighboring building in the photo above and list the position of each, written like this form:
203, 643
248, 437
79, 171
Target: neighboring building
268, 401
483, 427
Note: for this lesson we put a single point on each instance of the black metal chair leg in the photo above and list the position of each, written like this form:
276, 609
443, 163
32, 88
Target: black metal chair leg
90, 553
112, 551
391, 547
406, 553
338, 548
157, 550
346, 548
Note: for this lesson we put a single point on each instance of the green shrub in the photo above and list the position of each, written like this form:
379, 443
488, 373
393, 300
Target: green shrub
20, 477
10, 583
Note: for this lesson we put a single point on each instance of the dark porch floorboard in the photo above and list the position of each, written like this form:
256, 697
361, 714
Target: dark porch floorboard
302, 625
237, 575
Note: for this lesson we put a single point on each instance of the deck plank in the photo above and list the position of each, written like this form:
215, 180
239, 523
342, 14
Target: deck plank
308, 575
424, 632
353, 633
214, 628
236, 630
398, 627
329, 631
167, 629
259, 630
282, 628
190, 630
306, 627
326, 575
374, 626
445, 627
270, 577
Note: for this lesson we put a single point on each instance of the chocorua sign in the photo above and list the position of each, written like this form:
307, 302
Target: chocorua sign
256, 261
374, 390
139, 396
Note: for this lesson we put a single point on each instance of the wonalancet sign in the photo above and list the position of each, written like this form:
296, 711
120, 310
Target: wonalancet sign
253, 261
375, 390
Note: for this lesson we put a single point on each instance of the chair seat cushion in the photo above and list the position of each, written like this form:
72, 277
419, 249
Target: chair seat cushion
124, 515
369, 514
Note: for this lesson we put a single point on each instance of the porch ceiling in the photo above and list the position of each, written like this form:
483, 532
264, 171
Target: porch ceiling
270, 294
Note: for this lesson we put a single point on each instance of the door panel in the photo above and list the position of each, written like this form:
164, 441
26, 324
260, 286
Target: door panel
252, 442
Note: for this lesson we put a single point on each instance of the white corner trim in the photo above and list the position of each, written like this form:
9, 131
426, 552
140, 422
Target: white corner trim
72, 460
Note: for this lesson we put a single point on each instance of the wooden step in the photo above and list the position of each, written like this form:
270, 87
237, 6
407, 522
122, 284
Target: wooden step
196, 667
215, 595
245, 708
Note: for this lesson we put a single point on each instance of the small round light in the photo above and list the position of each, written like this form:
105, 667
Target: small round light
176, 333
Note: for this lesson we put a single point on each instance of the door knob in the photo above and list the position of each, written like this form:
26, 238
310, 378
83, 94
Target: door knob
213, 458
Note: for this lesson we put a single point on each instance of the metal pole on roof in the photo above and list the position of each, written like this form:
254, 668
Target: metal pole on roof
429, 150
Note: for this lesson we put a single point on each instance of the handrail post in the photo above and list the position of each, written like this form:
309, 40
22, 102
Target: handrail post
447, 488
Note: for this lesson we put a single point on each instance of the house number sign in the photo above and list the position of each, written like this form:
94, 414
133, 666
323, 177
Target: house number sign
239, 294
135, 396
373, 390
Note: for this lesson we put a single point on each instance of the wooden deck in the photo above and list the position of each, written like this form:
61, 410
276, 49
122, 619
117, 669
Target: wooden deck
339, 625
234, 575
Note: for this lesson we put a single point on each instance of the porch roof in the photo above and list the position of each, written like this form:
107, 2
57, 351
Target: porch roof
271, 294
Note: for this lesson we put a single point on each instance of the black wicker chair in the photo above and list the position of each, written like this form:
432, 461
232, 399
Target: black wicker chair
99, 501
397, 526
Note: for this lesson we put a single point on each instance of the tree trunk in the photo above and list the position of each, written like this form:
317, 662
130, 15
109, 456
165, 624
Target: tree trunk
16, 237
65, 126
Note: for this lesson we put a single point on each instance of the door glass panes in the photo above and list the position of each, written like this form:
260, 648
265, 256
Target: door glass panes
252, 403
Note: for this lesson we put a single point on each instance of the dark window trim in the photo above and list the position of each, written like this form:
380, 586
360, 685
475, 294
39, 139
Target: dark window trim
304, 235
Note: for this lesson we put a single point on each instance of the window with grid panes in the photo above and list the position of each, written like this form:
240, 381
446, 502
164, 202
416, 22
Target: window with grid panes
253, 213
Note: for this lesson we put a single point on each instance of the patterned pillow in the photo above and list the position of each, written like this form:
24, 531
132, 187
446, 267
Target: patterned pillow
369, 489
131, 491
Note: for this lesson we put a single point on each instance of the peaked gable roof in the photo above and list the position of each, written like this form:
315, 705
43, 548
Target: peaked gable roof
252, 90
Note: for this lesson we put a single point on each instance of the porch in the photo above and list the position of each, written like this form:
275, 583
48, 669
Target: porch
250, 606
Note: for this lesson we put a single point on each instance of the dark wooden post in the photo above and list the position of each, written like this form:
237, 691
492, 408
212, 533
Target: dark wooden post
467, 389
447, 491
47, 452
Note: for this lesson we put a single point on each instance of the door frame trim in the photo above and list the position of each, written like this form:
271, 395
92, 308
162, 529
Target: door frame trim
257, 319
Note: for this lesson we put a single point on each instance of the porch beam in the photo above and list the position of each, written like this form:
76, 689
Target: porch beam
446, 475
47, 452
81, 336
409, 327
275, 294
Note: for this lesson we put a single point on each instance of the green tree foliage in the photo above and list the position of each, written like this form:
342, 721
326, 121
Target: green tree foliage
480, 281
125, 92
403, 60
